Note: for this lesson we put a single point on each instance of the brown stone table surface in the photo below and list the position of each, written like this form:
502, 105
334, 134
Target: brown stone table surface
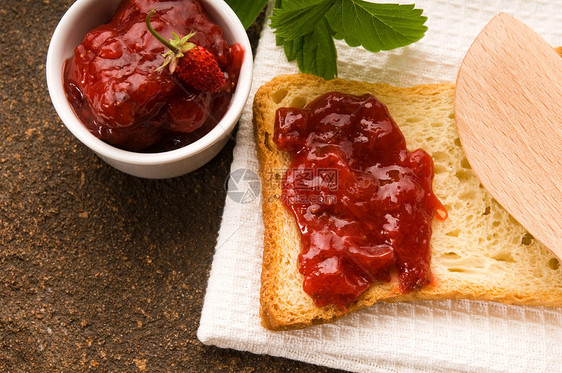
99, 271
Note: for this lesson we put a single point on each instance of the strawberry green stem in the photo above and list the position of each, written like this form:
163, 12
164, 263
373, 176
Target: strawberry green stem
157, 35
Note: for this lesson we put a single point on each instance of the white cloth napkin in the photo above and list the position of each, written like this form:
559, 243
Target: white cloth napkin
406, 337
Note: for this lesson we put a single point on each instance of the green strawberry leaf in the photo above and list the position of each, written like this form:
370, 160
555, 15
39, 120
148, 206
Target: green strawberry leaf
315, 52
375, 26
306, 29
247, 10
297, 18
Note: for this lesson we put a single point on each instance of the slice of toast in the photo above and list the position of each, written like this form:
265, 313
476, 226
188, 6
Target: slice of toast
479, 252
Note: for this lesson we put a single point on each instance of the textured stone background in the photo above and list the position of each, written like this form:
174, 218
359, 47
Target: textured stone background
99, 270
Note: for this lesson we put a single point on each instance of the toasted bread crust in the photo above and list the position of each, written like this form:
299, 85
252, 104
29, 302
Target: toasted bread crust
425, 115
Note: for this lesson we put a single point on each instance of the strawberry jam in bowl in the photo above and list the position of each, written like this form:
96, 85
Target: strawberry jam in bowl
153, 87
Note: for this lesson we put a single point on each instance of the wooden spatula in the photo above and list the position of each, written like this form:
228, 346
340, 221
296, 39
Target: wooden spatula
508, 109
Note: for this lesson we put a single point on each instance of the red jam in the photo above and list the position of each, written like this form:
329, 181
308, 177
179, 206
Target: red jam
114, 89
363, 202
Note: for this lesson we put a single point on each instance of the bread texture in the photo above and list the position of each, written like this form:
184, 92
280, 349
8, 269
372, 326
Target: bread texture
480, 252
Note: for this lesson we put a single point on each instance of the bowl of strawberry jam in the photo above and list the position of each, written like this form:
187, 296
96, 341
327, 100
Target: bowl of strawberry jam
107, 81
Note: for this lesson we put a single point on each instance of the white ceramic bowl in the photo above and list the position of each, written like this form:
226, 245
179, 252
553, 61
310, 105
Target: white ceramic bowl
85, 15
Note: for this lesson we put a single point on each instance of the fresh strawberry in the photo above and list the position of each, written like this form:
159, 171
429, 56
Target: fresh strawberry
199, 68
195, 65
